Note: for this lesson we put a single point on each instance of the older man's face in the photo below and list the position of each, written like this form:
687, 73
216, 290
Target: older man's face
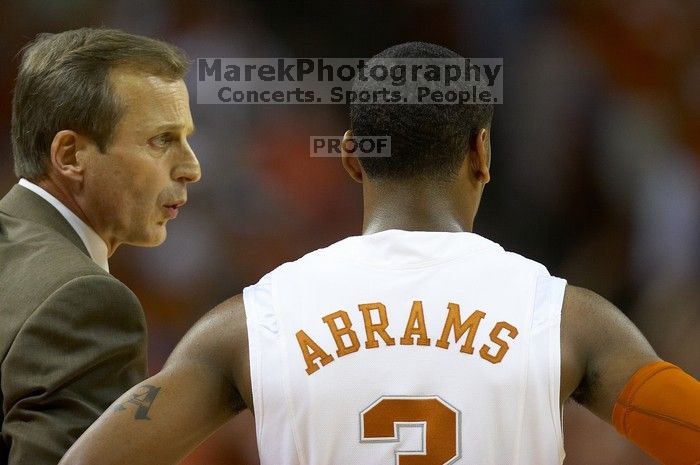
139, 184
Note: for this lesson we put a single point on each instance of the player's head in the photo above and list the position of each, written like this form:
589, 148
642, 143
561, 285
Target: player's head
104, 116
427, 140
431, 143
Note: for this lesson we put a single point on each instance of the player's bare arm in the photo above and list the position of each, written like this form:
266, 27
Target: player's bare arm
159, 421
610, 368
600, 350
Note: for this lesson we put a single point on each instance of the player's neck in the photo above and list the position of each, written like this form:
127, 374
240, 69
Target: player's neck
415, 209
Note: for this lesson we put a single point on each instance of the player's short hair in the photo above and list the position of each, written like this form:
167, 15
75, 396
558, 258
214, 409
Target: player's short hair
428, 141
63, 83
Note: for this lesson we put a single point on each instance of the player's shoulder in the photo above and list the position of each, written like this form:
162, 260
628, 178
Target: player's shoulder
309, 261
516, 260
219, 328
468, 246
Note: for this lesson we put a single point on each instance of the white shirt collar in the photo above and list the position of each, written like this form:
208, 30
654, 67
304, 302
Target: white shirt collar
93, 242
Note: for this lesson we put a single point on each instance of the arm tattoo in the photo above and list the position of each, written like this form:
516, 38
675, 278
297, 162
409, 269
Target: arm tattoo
142, 398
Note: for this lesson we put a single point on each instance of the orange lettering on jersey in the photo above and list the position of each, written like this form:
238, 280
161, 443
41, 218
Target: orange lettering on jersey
415, 326
312, 351
371, 329
339, 332
503, 345
459, 327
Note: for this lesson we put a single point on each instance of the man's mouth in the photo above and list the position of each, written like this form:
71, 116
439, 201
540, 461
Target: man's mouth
173, 208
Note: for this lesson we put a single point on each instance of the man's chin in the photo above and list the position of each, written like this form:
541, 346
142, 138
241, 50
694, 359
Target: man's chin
153, 240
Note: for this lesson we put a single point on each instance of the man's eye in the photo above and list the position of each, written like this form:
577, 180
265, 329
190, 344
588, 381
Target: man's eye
162, 140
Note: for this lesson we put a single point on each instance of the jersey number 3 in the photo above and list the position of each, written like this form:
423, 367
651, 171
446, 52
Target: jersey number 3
380, 422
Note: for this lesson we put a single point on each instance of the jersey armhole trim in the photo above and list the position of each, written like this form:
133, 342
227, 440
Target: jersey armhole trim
301, 457
525, 376
251, 314
557, 288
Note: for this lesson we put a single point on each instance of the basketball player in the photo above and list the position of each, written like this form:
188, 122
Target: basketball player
415, 343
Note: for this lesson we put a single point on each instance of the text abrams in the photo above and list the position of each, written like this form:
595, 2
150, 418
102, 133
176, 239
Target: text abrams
376, 321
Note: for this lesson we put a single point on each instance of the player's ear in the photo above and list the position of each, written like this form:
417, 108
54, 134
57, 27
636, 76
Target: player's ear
480, 156
350, 162
66, 160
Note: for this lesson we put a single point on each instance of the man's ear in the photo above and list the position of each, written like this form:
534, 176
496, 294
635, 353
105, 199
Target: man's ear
65, 158
350, 162
480, 156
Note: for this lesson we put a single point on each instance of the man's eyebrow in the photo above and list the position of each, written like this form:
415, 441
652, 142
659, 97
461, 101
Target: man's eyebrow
172, 127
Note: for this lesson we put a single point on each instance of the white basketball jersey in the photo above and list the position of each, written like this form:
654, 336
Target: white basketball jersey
407, 348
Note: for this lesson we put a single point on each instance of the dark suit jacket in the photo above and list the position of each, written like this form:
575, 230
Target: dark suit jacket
72, 337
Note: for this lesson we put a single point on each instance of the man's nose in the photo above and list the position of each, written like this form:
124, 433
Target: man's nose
187, 169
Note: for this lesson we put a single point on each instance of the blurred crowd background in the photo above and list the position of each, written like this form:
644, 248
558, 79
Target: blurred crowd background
596, 158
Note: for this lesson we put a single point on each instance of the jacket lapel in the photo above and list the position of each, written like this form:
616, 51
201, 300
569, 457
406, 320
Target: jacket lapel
25, 204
